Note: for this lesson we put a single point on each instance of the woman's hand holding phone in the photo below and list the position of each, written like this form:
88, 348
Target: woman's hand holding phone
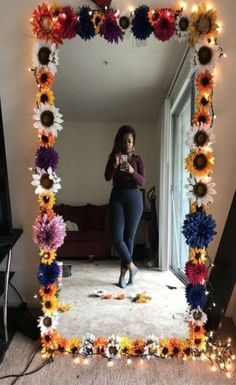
117, 159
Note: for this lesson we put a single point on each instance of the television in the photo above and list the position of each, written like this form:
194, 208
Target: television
5, 206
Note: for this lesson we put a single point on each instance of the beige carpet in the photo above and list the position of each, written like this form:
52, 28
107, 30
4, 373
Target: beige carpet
64, 371
163, 315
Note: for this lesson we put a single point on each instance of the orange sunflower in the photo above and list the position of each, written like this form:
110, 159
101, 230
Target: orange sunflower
203, 102
202, 24
201, 116
48, 292
100, 345
62, 345
98, 18
46, 139
49, 341
165, 349
138, 346
47, 256
176, 347
44, 77
196, 330
43, 24
73, 345
199, 162
204, 82
47, 200
45, 95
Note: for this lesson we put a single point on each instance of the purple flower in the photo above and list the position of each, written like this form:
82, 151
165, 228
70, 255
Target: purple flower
49, 233
110, 29
46, 157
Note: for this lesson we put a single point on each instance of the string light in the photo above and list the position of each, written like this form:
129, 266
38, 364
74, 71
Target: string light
183, 5
129, 361
86, 361
213, 368
76, 360
110, 364
228, 375
194, 8
225, 55
209, 7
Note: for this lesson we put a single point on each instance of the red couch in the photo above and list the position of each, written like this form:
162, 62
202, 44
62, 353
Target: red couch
93, 237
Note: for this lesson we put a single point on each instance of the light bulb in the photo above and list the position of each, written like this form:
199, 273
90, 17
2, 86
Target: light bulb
129, 362
110, 363
86, 361
229, 340
214, 304
141, 361
183, 5
76, 360
228, 375
225, 55
131, 9
213, 368
194, 8
209, 6
31, 19
233, 357
220, 27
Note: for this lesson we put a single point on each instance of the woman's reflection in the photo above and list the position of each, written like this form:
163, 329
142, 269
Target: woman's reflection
125, 204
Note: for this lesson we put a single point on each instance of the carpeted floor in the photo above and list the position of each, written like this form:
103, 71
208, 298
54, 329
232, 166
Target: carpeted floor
64, 371
164, 315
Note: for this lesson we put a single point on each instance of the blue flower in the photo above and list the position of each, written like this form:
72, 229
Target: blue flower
85, 26
196, 295
48, 274
198, 229
141, 27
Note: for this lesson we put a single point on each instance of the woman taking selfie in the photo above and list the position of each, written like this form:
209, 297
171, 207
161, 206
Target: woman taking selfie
125, 204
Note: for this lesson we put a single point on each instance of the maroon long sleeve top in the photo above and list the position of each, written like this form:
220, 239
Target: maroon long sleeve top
125, 179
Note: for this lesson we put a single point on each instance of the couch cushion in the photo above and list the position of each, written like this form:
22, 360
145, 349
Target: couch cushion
74, 214
89, 235
95, 217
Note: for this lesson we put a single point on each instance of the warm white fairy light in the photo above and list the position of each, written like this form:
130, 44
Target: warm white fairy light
183, 5
86, 361
209, 6
129, 361
110, 364
213, 368
76, 360
225, 55
194, 8
228, 375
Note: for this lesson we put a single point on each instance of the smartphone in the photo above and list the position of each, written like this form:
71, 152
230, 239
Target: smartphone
123, 161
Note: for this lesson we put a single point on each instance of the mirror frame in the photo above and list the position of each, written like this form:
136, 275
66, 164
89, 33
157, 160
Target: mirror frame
49, 25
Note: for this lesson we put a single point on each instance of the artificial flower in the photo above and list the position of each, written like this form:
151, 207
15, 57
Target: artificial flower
203, 102
47, 200
198, 317
45, 95
198, 229
62, 344
64, 307
151, 348
196, 330
66, 24
141, 26
48, 323
49, 341
152, 16
197, 255
113, 347
110, 29
196, 273
141, 298
88, 345
124, 22
199, 163
85, 26
100, 345
45, 55
48, 118
47, 256
201, 190
138, 346
204, 82
164, 27
201, 117
50, 306
187, 348
205, 56
46, 181
195, 208
199, 342
196, 295
44, 77
125, 345
46, 157
46, 139
202, 24
48, 274
48, 291
165, 349
74, 345
176, 347
98, 18
43, 24
181, 27
49, 234
200, 135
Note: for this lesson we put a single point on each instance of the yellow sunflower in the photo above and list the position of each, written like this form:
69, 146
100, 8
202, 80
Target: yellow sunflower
203, 102
97, 20
199, 163
197, 255
125, 345
64, 307
202, 24
196, 331
176, 347
204, 82
45, 95
47, 256
50, 306
73, 346
187, 348
199, 342
44, 77
165, 349
46, 139
49, 342
194, 207
201, 116
100, 345
62, 345
48, 292
47, 200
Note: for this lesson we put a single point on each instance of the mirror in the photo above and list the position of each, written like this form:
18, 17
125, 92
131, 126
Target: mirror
99, 88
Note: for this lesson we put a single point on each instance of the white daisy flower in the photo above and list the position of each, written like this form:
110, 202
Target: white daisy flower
200, 190
88, 347
48, 118
45, 55
181, 28
113, 347
48, 323
46, 181
204, 56
197, 316
152, 346
199, 136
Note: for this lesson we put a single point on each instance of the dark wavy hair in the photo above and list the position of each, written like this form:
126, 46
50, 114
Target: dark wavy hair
117, 146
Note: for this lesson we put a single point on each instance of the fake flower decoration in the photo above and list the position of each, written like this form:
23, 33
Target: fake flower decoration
203, 101
196, 273
197, 255
50, 306
205, 56
48, 291
196, 295
48, 323
142, 298
66, 24
202, 24
46, 181
181, 27
49, 234
49, 342
176, 347
201, 117
87, 346
141, 27
164, 27
138, 346
165, 350
125, 345
43, 24
199, 163
198, 229
113, 349
151, 346
64, 307
74, 346
109, 29
45, 55
198, 317
48, 274
204, 82
201, 190
46, 200
200, 135
100, 345
45, 95
47, 256
97, 19
48, 118
44, 77
46, 139
46, 157
85, 26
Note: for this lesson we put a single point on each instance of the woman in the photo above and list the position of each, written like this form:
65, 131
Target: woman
125, 205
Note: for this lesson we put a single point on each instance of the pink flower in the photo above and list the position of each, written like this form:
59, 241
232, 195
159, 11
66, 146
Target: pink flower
49, 233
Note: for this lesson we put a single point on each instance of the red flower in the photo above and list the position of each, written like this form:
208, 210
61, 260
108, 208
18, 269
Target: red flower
66, 25
196, 273
164, 26
44, 25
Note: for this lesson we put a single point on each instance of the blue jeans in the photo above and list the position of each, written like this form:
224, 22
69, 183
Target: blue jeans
125, 211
